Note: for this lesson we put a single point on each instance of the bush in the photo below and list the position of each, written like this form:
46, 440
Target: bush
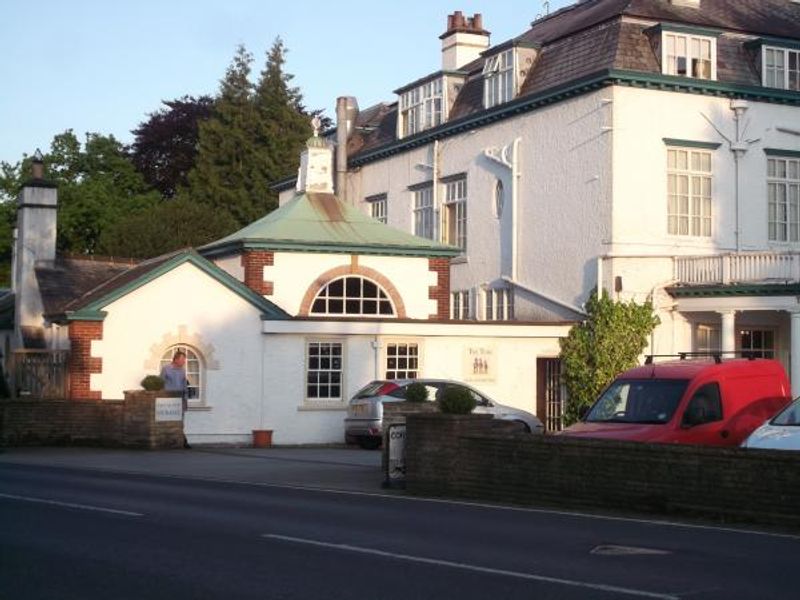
456, 401
153, 383
416, 392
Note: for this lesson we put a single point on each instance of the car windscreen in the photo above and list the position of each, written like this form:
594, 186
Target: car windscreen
652, 401
789, 416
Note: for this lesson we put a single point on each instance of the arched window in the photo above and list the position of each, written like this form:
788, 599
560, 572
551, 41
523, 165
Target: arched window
194, 371
353, 295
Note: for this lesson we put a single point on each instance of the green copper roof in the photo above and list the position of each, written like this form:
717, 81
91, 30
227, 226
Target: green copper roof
739, 289
318, 222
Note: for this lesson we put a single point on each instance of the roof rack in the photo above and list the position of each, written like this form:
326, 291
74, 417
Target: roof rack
717, 356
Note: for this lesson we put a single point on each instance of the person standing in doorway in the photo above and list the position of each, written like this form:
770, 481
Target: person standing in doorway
174, 376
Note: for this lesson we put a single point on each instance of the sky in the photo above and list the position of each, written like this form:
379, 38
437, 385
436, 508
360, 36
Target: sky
100, 66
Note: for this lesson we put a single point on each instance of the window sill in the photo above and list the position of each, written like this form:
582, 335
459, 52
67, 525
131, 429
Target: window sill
461, 259
198, 408
322, 406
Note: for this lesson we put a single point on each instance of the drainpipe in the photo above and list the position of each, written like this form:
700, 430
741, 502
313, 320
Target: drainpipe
515, 176
435, 191
739, 148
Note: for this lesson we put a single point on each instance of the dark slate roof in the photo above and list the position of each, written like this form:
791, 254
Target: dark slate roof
596, 36
64, 279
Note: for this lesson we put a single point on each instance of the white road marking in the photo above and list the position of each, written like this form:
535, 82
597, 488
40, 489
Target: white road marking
113, 511
405, 498
475, 568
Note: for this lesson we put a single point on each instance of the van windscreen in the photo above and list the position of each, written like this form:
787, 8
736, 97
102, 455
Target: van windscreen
652, 401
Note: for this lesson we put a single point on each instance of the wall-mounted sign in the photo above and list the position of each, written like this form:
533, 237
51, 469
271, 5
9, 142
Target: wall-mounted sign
169, 409
480, 363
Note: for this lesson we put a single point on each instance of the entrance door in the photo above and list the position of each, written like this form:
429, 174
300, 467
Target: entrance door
549, 393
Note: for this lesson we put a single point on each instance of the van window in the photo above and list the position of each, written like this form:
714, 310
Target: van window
704, 407
638, 401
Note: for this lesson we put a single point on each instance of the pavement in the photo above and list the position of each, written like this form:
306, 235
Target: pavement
244, 524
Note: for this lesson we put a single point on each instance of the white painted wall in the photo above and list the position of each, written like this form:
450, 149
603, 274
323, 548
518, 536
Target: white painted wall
232, 265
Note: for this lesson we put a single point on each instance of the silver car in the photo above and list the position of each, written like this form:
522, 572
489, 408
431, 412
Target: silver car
364, 422
782, 432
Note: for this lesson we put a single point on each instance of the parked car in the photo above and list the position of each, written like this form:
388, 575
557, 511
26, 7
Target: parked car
717, 403
782, 432
364, 422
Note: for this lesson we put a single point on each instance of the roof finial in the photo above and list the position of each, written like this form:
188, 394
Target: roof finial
316, 124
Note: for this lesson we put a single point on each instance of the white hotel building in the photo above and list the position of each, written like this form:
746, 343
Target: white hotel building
647, 147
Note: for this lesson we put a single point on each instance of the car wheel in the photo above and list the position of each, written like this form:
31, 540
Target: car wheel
370, 443
525, 427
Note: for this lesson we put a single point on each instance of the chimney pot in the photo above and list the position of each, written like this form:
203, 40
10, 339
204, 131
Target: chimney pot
37, 167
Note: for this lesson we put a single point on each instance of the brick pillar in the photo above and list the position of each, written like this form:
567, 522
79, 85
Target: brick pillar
254, 262
441, 291
81, 362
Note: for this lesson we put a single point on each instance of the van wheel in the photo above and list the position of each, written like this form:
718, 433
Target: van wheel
370, 443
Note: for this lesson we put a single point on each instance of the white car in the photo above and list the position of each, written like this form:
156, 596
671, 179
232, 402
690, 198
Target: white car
782, 432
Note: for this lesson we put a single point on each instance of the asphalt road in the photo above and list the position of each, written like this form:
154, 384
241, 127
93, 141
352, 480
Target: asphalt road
70, 533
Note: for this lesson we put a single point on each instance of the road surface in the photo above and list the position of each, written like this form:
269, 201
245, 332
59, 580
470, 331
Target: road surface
74, 533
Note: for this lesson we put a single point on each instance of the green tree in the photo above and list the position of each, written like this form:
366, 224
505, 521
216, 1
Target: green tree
172, 225
609, 341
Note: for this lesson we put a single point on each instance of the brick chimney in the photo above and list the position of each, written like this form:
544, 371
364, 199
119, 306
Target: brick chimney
37, 206
463, 41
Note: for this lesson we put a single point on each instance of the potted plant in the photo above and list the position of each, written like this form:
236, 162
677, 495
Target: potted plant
456, 401
152, 383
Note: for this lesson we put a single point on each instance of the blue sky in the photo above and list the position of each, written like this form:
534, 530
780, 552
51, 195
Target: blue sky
94, 65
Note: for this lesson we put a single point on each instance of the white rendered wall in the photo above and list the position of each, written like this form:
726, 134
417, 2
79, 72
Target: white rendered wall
294, 273
232, 265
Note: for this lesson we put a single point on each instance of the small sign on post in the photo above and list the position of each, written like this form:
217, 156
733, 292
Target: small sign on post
396, 460
169, 409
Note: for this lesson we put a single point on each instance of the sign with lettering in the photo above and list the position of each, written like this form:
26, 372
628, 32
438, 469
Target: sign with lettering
169, 409
480, 363
396, 464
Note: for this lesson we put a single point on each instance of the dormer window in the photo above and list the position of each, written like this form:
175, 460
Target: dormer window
498, 78
686, 55
421, 108
780, 68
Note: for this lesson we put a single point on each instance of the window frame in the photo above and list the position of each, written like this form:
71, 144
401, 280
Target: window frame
786, 54
166, 358
307, 369
407, 342
422, 107
499, 304
378, 207
499, 78
345, 298
675, 195
455, 214
461, 301
790, 185
424, 214
689, 57
762, 350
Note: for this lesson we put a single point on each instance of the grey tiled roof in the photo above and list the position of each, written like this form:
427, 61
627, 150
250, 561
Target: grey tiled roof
593, 36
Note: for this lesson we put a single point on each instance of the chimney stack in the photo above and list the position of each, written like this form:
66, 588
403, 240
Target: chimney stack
346, 114
463, 41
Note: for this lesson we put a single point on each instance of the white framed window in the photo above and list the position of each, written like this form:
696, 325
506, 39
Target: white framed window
460, 305
689, 192
352, 296
455, 213
499, 304
377, 207
780, 68
402, 360
423, 213
194, 371
759, 343
783, 199
421, 108
324, 369
707, 339
499, 78
689, 55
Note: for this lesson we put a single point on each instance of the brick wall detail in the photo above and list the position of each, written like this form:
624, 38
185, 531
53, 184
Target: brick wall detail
81, 362
441, 291
254, 262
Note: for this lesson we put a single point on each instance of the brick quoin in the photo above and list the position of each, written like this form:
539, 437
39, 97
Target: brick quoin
81, 362
254, 262
441, 291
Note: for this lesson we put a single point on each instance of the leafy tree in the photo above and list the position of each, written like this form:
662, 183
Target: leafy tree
172, 225
165, 145
608, 342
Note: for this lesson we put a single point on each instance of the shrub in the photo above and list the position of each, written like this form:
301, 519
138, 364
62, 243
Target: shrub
153, 383
456, 401
416, 392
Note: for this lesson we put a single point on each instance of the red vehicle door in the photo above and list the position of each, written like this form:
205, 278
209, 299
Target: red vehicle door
703, 421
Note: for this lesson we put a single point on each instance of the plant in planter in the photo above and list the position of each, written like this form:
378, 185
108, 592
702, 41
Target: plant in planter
416, 392
456, 401
153, 383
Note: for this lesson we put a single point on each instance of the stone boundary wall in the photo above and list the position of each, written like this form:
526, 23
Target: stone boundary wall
111, 423
462, 457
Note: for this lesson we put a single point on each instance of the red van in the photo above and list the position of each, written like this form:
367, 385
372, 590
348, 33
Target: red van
709, 402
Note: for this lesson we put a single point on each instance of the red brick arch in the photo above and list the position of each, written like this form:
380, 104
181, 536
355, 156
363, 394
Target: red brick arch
353, 269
